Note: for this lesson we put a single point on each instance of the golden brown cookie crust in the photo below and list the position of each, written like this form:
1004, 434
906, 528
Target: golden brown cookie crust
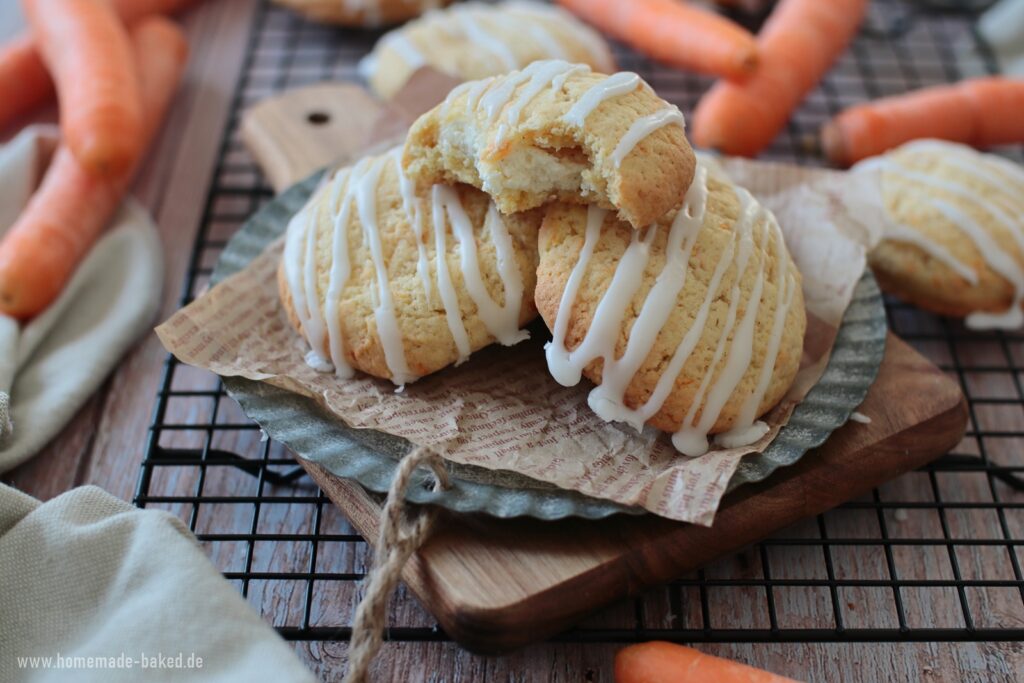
543, 158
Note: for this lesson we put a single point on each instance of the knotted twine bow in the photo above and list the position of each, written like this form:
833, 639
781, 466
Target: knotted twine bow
402, 532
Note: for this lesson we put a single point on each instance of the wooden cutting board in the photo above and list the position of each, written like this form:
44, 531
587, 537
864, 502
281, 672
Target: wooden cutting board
497, 584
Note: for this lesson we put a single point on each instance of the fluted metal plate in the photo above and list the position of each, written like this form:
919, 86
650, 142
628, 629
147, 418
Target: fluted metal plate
369, 457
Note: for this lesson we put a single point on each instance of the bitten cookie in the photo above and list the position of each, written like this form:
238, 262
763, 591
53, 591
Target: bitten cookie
557, 131
367, 13
379, 280
954, 239
473, 40
694, 325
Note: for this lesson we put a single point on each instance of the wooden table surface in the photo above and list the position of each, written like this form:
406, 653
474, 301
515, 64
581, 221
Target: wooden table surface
104, 443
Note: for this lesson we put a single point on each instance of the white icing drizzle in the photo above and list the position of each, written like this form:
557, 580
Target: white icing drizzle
318, 363
360, 186
860, 417
341, 269
564, 372
405, 48
643, 127
545, 26
476, 91
469, 19
540, 75
608, 399
587, 38
502, 99
692, 437
413, 206
614, 86
904, 233
999, 259
749, 428
449, 297
501, 321
495, 99
300, 272
384, 311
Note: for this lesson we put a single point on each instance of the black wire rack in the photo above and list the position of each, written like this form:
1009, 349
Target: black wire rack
935, 555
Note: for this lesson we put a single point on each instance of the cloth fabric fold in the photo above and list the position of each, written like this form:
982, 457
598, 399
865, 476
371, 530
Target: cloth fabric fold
50, 365
95, 589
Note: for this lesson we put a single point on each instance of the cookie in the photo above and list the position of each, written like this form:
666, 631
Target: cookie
397, 286
473, 40
557, 131
367, 13
694, 325
954, 235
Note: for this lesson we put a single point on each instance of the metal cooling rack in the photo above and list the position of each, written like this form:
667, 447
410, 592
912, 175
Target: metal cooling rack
935, 555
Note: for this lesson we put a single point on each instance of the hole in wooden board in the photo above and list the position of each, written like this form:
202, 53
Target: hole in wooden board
318, 118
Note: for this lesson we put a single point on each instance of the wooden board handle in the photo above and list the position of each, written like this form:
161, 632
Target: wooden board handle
302, 130
305, 129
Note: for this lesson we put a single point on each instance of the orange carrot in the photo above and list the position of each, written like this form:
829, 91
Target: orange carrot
675, 33
798, 44
24, 80
68, 212
659, 662
133, 10
980, 112
86, 48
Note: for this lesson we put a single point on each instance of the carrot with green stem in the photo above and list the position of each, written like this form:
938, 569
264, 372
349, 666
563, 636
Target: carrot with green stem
69, 211
798, 44
675, 33
660, 662
980, 112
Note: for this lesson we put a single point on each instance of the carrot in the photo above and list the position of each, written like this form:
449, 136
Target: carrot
980, 112
675, 33
798, 44
68, 212
24, 80
133, 10
659, 662
86, 48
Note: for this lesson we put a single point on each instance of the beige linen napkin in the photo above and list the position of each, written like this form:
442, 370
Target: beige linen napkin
86, 575
52, 364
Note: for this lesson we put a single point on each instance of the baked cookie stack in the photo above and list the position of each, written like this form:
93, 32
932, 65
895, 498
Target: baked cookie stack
574, 193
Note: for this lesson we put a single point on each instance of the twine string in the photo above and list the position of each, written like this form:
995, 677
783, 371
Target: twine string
403, 530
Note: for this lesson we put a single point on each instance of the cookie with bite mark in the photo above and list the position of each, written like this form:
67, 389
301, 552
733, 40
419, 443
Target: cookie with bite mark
557, 131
